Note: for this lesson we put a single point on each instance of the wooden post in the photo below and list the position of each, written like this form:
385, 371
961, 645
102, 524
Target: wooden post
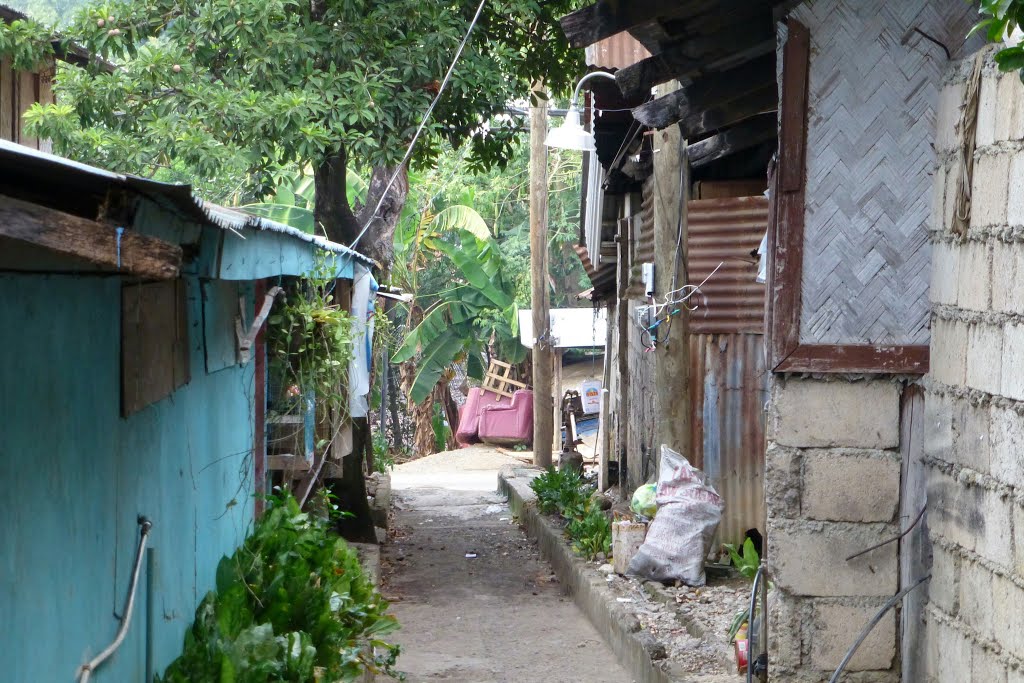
543, 403
672, 357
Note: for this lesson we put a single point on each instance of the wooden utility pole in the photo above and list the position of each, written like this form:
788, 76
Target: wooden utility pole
672, 357
543, 402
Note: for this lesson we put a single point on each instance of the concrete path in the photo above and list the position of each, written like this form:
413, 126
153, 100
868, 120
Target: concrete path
498, 617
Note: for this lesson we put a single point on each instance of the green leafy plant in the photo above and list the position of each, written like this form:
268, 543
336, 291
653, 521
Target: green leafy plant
383, 458
746, 563
291, 604
591, 532
567, 493
309, 342
1003, 17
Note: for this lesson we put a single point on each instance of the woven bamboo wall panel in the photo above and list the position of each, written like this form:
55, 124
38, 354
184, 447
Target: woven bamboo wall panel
871, 122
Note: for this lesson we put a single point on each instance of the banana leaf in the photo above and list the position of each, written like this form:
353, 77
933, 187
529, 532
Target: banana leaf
294, 216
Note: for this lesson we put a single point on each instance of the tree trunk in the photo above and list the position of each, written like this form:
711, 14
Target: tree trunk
422, 414
451, 412
396, 424
334, 217
351, 490
340, 224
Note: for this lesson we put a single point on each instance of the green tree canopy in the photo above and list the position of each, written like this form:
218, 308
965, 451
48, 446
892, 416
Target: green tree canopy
233, 94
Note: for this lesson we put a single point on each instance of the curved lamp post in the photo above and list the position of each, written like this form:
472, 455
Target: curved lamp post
571, 134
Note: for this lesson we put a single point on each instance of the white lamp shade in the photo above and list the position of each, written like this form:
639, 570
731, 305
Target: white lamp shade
571, 135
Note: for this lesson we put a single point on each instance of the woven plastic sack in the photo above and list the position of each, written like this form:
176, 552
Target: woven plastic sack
689, 511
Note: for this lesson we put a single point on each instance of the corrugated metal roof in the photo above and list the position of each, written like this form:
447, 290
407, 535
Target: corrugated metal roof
726, 231
57, 174
616, 52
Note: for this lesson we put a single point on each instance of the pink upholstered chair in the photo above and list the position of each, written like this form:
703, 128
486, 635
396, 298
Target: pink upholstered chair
469, 414
508, 424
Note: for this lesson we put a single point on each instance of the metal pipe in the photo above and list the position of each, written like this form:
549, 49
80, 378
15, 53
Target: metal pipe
576, 92
85, 671
760, 588
871, 625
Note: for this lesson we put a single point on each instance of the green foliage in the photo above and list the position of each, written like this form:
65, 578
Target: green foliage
476, 306
292, 604
738, 621
383, 458
27, 42
231, 94
1003, 17
746, 564
567, 493
309, 341
441, 430
294, 200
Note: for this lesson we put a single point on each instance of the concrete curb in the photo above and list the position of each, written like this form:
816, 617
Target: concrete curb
588, 587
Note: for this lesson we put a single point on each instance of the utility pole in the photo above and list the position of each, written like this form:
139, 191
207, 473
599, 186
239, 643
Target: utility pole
543, 402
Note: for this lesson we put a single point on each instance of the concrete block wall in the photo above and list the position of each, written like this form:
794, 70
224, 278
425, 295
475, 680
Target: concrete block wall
974, 419
833, 489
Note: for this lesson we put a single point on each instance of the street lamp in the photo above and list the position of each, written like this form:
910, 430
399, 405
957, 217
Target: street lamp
572, 135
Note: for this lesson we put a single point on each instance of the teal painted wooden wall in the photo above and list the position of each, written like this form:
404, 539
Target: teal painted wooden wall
75, 475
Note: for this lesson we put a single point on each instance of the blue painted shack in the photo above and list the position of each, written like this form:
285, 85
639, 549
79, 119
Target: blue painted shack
123, 394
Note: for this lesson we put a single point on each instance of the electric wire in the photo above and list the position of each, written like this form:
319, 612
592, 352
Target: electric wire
423, 124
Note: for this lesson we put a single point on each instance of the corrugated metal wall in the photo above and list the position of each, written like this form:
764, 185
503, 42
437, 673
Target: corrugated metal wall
728, 378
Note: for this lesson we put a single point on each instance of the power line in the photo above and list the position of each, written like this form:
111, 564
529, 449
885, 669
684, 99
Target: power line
423, 124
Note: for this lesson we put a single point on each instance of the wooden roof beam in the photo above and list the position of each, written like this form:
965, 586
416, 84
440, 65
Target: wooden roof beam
742, 136
691, 57
131, 254
710, 93
605, 18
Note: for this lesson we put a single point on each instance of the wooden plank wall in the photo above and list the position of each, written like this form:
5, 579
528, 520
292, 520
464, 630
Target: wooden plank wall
18, 91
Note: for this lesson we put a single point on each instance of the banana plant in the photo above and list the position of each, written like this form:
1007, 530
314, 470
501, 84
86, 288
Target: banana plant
292, 204
476, 309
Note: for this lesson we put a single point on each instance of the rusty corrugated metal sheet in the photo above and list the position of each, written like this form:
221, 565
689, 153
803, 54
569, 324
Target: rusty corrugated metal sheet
616, 52
726, 231
729, 388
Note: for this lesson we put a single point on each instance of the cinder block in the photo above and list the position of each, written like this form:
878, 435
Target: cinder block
989, 190
1009, 95
988, 103
955, 510
1012, 382
984, 357
1015, 191
976, 598
782, 481
971, 436
949, 352
809, 560
851, 486
939, 199
975, 291
1007, 616
785, 630
945, 273
1007, 276
951, 101
955, 655
938, 421
949, 202
986, 667
1018, 539
997, 544
835, 628
812, 413
1006, 438
944, 588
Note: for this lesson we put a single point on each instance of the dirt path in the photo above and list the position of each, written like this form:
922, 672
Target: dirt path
497, 617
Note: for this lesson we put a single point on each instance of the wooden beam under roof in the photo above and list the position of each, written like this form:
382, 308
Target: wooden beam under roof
689, 58
605, 18
728, 90
742, 136
131, 253
695, 122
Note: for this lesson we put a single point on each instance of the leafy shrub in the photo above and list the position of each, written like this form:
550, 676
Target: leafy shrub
291, 604
567, 493
746, 564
